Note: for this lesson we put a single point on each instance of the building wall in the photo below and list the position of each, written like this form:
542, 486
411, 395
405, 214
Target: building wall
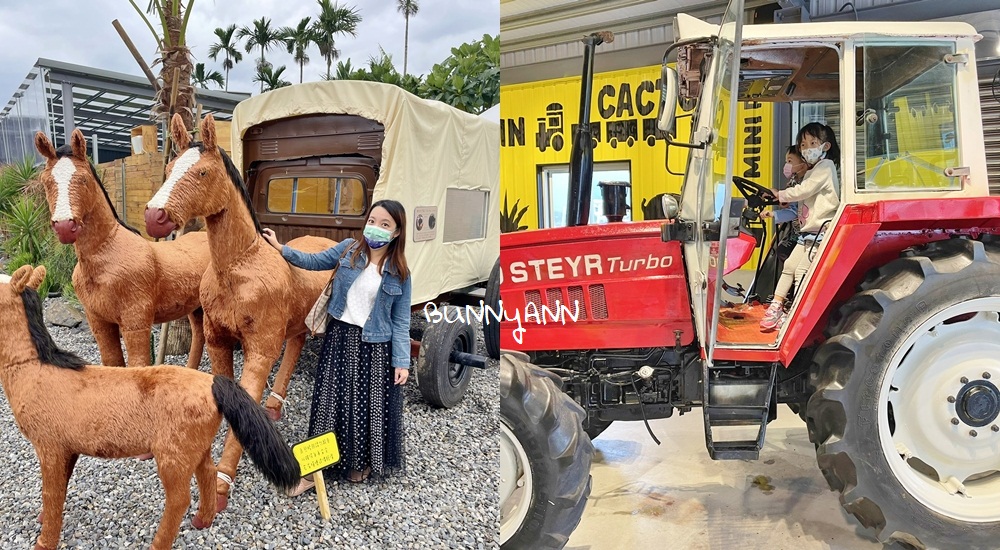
623, 115
133, 180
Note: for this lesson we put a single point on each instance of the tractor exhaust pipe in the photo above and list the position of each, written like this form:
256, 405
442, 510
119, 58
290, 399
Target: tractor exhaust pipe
581, 159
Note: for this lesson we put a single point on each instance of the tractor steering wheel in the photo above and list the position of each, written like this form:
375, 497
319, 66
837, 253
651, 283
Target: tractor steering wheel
757, 195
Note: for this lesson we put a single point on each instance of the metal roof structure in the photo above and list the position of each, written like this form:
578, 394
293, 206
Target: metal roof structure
540, 39
105, 104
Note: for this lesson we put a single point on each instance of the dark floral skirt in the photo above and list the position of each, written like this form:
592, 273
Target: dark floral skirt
356, 399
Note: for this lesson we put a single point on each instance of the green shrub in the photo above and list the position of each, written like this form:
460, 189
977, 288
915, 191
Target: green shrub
27, 227
27, 236
59, 261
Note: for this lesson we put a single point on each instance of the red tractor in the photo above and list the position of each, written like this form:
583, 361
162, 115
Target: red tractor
890, 349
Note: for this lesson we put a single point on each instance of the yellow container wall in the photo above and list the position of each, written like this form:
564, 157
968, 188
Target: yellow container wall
537, 120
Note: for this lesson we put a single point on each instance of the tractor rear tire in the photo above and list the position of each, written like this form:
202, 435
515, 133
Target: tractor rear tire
491, 327
904, 416
544, 459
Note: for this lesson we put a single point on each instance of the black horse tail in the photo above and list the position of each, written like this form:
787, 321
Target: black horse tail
255, 431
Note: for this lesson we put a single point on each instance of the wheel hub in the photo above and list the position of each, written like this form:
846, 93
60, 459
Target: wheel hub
939, 427
978, 403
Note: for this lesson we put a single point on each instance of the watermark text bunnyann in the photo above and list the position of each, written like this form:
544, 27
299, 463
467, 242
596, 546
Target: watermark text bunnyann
486, 314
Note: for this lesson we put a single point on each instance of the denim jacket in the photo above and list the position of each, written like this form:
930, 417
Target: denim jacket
390, 316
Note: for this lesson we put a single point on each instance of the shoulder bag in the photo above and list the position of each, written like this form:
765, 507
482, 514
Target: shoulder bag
318, 317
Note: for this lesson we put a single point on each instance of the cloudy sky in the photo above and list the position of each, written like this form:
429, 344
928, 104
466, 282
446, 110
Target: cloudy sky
80, 32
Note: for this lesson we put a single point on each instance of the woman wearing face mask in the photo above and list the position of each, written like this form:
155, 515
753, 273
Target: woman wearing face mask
818, 196
365, 356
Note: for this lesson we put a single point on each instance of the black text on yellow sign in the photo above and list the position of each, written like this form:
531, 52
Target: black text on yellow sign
316, 453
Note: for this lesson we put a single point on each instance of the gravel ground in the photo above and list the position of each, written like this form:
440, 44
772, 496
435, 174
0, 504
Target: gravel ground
446, 499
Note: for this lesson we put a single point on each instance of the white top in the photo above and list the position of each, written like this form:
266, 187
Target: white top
361, 296
818, 192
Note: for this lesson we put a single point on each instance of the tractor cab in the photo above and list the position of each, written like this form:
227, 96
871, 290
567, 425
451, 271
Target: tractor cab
893, 94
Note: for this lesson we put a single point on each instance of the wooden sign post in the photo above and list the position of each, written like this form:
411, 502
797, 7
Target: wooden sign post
313, 455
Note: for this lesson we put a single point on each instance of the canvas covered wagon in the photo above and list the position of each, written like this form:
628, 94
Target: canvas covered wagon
315, 156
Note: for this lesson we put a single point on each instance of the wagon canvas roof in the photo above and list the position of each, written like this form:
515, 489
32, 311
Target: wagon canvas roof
428, 147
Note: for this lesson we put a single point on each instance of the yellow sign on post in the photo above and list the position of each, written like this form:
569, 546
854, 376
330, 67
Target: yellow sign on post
313, 455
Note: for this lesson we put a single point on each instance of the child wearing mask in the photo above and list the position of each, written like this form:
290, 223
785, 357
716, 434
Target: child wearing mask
818, 196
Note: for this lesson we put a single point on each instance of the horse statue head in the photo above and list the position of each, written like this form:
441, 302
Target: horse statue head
15, 307
24, 277
73, 190
201, 181
25, 335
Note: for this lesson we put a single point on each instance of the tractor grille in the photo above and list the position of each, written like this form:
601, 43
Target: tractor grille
598, 307
576, 297
533, 297
598, 303
554, 296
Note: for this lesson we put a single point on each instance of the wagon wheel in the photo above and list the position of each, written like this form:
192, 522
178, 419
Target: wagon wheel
443, 382
491, 327
905, 414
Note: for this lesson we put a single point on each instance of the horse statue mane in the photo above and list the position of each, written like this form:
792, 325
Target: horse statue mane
236, 178
48, 352
66, 408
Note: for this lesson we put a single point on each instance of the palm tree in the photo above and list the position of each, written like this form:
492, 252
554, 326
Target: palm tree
227, 45
169, 34
262, 35
298, 40
333, 20
201, 79
344, 71
407, 8
270, 80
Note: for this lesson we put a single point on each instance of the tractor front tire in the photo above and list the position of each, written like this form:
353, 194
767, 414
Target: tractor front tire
904, 418
544, 459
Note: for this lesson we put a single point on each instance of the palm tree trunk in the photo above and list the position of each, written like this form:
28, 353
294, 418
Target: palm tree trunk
301, 66
227, 77
262, 65
406, 44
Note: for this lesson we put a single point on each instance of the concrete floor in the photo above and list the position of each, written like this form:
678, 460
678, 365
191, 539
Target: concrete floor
673, 496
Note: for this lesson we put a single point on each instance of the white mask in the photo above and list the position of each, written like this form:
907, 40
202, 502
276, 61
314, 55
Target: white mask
813, 155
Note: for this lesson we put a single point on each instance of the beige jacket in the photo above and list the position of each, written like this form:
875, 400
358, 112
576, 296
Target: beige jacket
819, 192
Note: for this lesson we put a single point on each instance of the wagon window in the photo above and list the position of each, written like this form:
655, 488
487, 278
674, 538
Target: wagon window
342, 196
465, 214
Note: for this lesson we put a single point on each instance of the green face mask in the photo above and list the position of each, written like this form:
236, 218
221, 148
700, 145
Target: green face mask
376, 237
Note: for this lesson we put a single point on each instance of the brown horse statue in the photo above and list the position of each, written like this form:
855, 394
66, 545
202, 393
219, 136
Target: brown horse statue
249, 292
125, 283
67, 409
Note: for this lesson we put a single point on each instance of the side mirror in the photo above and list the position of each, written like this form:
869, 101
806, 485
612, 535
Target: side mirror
668, 100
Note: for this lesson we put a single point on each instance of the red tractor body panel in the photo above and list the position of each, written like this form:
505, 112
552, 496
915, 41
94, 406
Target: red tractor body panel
867, 236
593, 287
620, 286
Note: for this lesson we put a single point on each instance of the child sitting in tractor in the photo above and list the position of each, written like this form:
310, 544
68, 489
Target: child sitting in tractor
818, 197
794, 214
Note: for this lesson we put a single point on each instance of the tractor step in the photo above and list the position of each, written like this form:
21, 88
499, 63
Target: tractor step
737, 401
